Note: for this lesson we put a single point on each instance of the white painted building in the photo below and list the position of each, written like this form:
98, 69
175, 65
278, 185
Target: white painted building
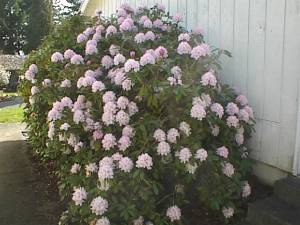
264, 38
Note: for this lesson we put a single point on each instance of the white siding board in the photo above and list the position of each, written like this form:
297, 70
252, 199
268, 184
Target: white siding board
191, 14
240, 53
203, 18
273, 61
182, 9
214, 10
226, 39
173, 7
290, 84
166, 4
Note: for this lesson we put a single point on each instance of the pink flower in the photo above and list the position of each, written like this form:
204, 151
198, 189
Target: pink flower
103, 221
108, 118
127, 85
125, 164
110, 30
98, 86
33, 68
201, 154
127, 25
228, 212
208, 79
124, 143
88, 31
128, 131
65, 83
232, 109
184, 37
218, 109
122, 118
250, 111
223, 152
69, 54
184, 48
119, 59
78, 116
157, 23
185, 128
97, 36
97, 135
109, 96
140, 38
242, 100
131, 64
228, 169
232, 121
122, 102
159, 135
144, 161
174, 213
79, 196
185, 155
57, 57
34, 90
106, 61
108, 141
178, 17
91, 168
243, 115
143, 19
176, 71
91, 49
161, 52
121, 12
81, 38
147, 23
29, 75
99, 206
198, 112
147, 58
149, 36
75, 168
77, 59
163, 148
105, 171
46, 83
172, 135
64, 126
200, 50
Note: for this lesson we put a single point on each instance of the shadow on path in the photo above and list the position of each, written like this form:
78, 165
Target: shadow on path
23, 195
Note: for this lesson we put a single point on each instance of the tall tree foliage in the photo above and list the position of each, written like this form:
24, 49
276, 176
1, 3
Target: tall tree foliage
13, 24
40, 22
64, 9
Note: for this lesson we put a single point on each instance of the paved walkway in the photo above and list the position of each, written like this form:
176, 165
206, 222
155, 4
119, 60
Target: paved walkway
23, 195
15, 102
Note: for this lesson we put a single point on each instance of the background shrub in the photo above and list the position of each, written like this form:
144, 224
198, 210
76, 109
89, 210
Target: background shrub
137, 120
4, 77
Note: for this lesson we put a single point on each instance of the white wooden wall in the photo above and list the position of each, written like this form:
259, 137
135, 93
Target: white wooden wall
264, 38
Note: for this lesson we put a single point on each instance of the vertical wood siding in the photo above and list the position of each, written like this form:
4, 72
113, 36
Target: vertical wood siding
263, 36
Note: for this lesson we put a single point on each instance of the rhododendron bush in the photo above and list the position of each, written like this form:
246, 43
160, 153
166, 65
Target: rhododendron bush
133, 112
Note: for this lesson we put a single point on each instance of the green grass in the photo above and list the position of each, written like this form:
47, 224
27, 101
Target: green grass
11, 114
3, 94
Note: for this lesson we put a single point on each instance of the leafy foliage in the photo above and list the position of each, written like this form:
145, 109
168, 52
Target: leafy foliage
147, 114
13, 24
